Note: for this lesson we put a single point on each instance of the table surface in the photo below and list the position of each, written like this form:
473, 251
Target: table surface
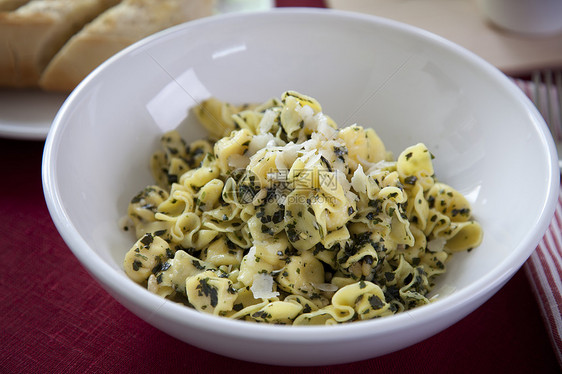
54, 318
462, 22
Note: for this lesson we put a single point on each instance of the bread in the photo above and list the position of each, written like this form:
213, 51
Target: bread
33, 33
54, 44
112, 31
7, 5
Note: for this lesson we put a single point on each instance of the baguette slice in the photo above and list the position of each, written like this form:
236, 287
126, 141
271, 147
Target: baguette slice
32, 34
7, 5
112, 31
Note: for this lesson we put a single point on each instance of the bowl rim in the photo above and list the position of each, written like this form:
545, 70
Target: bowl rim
452, 305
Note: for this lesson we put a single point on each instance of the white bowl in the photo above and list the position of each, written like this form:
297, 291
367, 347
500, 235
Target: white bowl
489, 142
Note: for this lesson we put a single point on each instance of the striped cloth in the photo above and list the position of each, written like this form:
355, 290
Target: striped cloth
544, 266
544, 270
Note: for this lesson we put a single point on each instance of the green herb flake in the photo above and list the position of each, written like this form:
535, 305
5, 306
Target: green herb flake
198, 265
209, 291
147, 240
376, 302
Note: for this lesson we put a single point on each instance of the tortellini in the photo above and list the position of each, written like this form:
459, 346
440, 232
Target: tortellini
280, 217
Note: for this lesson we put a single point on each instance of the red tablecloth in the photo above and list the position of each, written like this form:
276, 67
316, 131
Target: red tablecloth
54, 318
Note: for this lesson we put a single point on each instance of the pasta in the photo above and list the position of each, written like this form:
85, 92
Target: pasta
280, 217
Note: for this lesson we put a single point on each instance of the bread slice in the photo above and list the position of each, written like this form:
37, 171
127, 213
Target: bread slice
7, 5
32, 34
114, 30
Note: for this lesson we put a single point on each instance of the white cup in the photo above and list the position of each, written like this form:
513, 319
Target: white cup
533, 17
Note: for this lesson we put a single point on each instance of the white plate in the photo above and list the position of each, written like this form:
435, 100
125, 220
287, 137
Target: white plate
28, 114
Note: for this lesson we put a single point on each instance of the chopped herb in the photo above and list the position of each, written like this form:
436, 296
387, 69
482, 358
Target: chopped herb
376, 302
160, 232
238, 307
157, 268
392, 293
165, 266
209, 291
261, 314
137, 265
431, 201
172, 178
197, 265
292, 234
147, 240
412, 179
326, 162
266, 230
340, 151
230, 244
278, 216
462, 212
